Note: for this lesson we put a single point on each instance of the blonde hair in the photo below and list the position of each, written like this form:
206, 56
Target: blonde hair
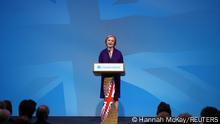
110, 35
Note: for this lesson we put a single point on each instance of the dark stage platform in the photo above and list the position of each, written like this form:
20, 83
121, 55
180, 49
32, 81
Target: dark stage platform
82, 120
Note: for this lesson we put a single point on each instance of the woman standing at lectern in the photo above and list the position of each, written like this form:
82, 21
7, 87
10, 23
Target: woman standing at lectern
111, 55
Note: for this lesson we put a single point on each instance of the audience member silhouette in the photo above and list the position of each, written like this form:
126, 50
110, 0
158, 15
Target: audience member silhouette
26, 110
164, 107
4, 116
163, 111
8, 106
184, 117
209, 112
42, 115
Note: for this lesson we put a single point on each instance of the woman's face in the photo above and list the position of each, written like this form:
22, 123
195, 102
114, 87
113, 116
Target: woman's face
110, 42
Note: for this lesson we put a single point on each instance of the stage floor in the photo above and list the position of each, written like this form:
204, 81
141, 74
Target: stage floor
84, 120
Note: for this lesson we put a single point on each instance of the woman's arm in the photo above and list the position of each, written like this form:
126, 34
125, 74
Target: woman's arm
100, 58
121, 58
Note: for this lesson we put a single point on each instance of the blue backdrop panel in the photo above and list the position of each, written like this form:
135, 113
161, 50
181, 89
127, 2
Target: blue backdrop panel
171, 53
